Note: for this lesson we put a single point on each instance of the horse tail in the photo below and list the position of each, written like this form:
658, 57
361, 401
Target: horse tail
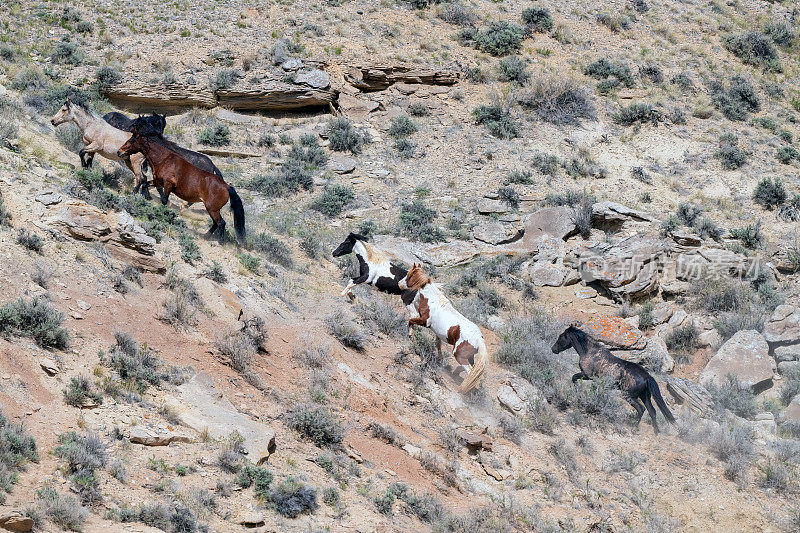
474, 376
652, 386
238, 212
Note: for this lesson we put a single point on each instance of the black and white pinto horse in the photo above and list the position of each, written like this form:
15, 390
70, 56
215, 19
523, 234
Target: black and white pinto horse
374, 268
597, 362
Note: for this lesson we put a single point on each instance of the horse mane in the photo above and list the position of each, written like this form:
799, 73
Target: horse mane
417, 278
374, 255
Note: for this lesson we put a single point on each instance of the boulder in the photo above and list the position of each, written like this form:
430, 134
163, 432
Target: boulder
15, 521
706, 261
202, 407
49, 198
549, 221
509, 399
488, 206
612, 212
686, 239
341, 164
789, 367
710, 339
783, 326
475, 441
354, 107
547, 274
495, 232
744, 356
81, 221
792, 413
380, 77
132, 235
615, 332
585, 293
654, 355
155, 437
662, 313
630, 268
138, 96
787, 353
689, 393
250, 519
316, 78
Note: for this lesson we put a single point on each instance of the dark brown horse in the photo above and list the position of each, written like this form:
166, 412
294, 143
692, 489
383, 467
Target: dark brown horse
175, 174
596, 361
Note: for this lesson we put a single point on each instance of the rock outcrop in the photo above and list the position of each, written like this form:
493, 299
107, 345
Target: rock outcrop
745, 356
380, 77
783, 326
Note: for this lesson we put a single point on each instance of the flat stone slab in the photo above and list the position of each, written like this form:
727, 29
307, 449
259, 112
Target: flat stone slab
49, 198
202, 407
615, 332
745, 356
783, 326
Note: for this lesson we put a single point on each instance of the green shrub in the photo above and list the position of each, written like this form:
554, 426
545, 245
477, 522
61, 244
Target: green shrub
6, 52
769, 194
249, 262
522, 177
787, 154
287, 179
558, 100
67, 53
16, 450
292, 498
224, 79
190, 251
753, 48
346, 331
547, 164
571, 198
416, 222
333, 200
343, 136
509, 196
107, 77
729, 153
84, 26
537, 19
603, 69
35, 319
275, 251
309, 151
218, 135
736, 398
64, 511
499, 38
402, 126
316, 424
260, 478
418, 109
406, 148
457, 14
638, 113
513, 68
30, 241
737, 101
139, 366
683, 341
80, 390
750, 235
781, 33
497, 120
614, 21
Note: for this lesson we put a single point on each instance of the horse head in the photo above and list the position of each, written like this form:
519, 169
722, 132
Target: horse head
415, 280
564, 340
347, 245
63, 115
132, 145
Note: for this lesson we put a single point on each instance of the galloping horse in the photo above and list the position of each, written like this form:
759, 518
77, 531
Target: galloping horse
124, 123
101, 137
436, 312
175, 174
596, 361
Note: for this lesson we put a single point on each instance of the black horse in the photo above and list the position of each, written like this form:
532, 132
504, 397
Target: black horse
145, 127
122, 122
596, 361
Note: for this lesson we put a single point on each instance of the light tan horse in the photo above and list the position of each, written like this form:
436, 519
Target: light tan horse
436, 312
102, 138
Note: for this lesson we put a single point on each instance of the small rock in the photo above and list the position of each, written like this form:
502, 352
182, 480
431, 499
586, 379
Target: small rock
510, 400
585, 293
487, 206
316, 78
151, 437
475, 441
496, 474
49, 198
710, 339
341, 164
250, 519
412, 450
83, 306
16, 521
49, 366
292, 64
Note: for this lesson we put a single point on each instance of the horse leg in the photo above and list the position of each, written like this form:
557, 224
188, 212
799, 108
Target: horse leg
223, 237
347, 292
140, 179
439, 347
212, 229
86, 158
579, 375
165, 193
636, 404
650, 410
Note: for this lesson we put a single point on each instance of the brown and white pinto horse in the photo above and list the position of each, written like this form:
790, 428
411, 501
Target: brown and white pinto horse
436, 312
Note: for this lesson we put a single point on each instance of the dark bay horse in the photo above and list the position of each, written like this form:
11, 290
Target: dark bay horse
146, 127
175, 174
596, 361
122, 122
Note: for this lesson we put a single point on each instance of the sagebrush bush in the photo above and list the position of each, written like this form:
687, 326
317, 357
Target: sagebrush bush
736, 102
638, 113
730, 155
571, 198
781, 33
333, 200
64, 511
753, 48
315, 423
67, 53
402, 126
223, 79
249, 262
735, 397
257, 477
683, 341
378, 315
558, 100
614, 21
287, 179
343, 136
787, 154
218, 135
107, 76
749, 235
604, 69
512, 68
81, 391
769, 193
497, 120
347, 331
416, 222
537, 19
274, 250
499, 38
16, 450
457, 14
292, 498
30, 241
35, 319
